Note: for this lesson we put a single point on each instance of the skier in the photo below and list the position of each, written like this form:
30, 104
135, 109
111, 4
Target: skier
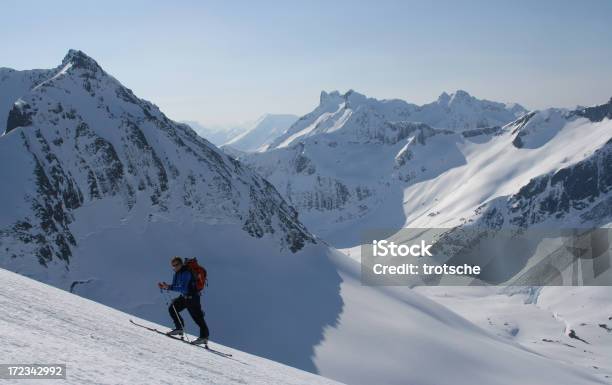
185, 283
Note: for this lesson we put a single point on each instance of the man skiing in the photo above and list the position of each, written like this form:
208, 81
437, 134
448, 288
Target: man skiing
185, 283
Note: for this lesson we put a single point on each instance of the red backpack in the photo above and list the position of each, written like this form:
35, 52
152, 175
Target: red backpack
198, 272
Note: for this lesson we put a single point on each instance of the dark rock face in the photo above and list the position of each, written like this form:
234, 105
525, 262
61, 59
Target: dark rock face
402, 130
259, 221
597, 113
303, 164
518, 126
79, 59
496, 130
99, 158
19, 116
327, 194
57, 194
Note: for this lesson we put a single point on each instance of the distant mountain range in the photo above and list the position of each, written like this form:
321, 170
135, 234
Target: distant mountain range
216, 135
355, 162
363, 118
249, 137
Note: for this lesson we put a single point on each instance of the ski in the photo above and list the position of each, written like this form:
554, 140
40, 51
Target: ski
205, 347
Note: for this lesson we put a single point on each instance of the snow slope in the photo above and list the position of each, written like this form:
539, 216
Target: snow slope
262, 133
395, 335
41, 324
409, 339
542, 319
563, 181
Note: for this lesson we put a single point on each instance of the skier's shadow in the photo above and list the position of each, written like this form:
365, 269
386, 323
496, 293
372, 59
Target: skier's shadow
265, 301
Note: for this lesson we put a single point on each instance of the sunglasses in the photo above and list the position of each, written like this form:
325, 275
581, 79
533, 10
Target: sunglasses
176, 264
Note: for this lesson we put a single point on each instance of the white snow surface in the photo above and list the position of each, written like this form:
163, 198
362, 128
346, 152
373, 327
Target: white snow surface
384, 336
421, 342
541, 318
44, 325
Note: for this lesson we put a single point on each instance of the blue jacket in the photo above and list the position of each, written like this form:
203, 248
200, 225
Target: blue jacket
183, 282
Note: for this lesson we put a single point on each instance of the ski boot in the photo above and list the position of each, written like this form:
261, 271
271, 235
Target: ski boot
175, 332
200, 341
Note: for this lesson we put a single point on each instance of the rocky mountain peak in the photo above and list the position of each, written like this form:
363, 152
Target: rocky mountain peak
460, 96
596, 113
353, 97
81, 60
326, 97
444, 98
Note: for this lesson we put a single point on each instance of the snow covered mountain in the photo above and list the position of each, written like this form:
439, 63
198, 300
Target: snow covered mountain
216, 135
263, 132
99, 346
356, 163
251, 136
87, 139
573, 193
461, 111
361, 118
569, 178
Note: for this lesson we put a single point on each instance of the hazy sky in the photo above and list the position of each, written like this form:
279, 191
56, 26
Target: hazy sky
230, 61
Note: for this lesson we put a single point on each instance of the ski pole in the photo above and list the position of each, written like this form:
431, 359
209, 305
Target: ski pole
177, 316
171, 303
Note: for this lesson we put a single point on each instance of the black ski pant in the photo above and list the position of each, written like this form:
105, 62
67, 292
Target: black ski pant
193, 306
